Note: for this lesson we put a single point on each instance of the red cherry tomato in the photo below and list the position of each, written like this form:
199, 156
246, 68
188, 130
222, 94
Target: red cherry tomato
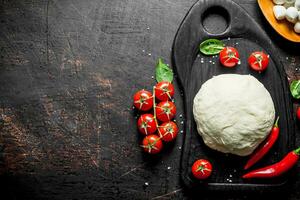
143, 100
298, 113
152, 144
165, 111
201, 169
229, 57
168, 131
258, 61
164, 90
146, 124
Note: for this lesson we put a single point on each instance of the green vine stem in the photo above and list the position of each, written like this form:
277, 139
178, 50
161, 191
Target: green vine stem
276, 122
154, 113
297, 151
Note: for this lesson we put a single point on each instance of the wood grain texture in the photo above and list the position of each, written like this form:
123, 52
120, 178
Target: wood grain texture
68, 70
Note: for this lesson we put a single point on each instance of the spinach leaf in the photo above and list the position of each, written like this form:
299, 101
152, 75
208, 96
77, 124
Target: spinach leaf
295, 89
163, 72
211, 47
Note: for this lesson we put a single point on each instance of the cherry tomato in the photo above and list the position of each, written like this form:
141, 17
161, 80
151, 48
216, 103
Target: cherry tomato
201, 169
258, 61
164, 90
146, 124
229, 57
143, 100
152, 144
165, 111
298, 113
168, 131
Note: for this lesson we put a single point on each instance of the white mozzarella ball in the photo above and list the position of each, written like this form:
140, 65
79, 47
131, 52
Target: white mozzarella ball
292, 14
290, 1
279, 2
279, 12
297, 4
288, 5
297, 27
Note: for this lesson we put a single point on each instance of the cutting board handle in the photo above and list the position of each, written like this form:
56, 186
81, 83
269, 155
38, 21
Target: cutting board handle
226, 9
187, 39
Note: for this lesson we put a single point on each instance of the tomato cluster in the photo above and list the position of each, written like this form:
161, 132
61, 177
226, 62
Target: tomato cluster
156, 126
258, 60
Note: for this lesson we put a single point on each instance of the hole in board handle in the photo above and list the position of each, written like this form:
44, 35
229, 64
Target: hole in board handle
215, 20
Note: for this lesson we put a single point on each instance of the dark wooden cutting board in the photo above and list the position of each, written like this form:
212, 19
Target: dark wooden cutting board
193, 69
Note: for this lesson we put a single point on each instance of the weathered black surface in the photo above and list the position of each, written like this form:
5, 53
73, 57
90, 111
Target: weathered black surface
68, 69
193, 69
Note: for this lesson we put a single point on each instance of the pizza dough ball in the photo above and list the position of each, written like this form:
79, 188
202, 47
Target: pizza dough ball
234, 113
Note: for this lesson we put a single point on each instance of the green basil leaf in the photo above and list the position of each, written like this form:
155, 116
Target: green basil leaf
163, 72
211, 47
295, 89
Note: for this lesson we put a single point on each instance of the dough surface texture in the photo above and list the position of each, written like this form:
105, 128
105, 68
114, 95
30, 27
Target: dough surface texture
234, 113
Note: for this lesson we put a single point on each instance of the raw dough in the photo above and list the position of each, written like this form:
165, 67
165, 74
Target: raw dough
234, 113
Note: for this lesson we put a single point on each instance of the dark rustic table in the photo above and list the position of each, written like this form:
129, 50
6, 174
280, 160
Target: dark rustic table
68, 70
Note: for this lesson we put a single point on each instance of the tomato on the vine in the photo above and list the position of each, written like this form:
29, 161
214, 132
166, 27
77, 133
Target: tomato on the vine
152, 144
164, 90
146, 124
201, 169
229, 57
165, 111
168, 131
258, 61
143, 100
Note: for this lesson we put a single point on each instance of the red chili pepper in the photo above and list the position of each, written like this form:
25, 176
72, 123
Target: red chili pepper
265, 147
276, 169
